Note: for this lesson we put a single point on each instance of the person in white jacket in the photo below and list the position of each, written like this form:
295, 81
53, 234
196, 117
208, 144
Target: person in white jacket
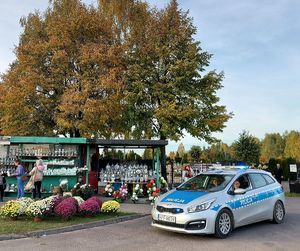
38, 173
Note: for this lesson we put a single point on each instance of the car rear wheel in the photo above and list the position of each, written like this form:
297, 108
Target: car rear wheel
278, 212
224, 224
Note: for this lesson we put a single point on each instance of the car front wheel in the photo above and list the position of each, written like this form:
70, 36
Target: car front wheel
278, 212
224, 224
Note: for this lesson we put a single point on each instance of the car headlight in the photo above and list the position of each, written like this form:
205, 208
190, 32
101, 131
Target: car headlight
200, 207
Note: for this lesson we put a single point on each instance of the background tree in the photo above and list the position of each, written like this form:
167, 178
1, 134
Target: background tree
147, 154
69, 71
272, 147
178, 159
166, 84
221, 152
181, 150
119, 69
195, 153
172, 156
247, 148
132, 156
292, 146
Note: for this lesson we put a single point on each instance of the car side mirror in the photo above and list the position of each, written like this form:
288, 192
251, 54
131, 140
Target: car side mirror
239, 191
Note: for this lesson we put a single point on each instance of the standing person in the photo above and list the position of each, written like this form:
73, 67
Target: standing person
2, 186
20, 172
278, 173
38, 173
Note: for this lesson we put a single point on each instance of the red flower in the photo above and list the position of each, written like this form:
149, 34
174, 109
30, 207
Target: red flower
154, 194
148, 185
157, 190
152, 181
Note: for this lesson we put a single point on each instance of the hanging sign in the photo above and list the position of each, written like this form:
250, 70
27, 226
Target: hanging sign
293, 168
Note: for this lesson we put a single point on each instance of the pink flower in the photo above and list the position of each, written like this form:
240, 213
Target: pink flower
67, 208
89, 207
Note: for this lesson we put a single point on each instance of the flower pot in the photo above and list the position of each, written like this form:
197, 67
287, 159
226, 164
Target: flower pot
37, 219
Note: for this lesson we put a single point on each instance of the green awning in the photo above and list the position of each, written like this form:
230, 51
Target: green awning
46, 140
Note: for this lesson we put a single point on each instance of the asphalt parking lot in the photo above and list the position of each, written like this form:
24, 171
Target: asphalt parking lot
139, 235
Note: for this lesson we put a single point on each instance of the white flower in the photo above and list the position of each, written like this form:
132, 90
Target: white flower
141, 190
154, 188
110, 190
106, 189
150, 198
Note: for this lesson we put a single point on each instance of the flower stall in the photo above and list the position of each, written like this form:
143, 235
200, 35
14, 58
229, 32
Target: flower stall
75, 165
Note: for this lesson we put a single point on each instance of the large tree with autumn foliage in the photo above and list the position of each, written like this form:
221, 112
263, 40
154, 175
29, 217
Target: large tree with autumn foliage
120, 68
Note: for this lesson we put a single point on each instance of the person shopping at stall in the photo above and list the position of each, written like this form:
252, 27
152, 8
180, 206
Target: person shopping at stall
37, 173
20, 174
2, 186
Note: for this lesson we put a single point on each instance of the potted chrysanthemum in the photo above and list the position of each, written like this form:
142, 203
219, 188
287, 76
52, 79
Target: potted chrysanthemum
37, 209
11, 210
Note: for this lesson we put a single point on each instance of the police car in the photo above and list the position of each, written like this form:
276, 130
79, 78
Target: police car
218, 201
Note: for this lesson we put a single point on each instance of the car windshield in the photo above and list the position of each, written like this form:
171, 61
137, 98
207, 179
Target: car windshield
207, 182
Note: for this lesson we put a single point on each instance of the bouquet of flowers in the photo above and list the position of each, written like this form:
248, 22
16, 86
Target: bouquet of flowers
121, 194
152, 191
11, 209
109, 190
137, 190
83, 191
188, 171
110, 206
89, 207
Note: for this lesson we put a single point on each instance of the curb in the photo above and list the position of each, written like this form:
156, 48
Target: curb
41, 233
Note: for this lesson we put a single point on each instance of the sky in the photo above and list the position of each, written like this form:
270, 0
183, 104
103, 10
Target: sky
255, 43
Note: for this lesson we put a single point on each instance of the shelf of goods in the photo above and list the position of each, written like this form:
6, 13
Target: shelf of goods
61, 163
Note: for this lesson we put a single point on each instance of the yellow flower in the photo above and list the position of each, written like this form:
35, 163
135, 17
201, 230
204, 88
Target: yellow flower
10, 209
110, 206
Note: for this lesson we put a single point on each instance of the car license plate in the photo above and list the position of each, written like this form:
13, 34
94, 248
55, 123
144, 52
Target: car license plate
167, 218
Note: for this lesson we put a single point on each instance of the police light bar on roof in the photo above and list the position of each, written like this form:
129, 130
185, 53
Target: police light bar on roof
219, 167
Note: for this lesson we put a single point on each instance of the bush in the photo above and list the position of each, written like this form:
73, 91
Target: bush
110, 206
67, 208
89, 207
97, 200
10, 209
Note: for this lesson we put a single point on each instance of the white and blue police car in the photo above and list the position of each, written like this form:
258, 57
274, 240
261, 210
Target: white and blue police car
218, 201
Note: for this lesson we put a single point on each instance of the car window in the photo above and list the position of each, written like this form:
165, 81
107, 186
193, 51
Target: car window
269, 179
257, 180
206, 182
241, 182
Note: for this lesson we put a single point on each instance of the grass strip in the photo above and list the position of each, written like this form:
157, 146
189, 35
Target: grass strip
24, 224
292, 194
